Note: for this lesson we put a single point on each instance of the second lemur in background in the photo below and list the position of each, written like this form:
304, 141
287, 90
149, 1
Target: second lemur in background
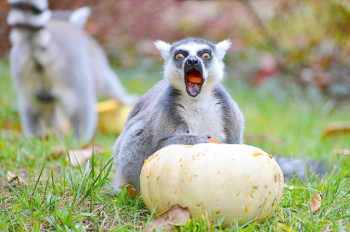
58, 69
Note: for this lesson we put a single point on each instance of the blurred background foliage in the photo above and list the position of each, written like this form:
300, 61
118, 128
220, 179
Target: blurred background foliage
299, 42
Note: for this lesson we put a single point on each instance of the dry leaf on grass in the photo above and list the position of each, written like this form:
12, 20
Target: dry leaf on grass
176, 215
77, 157
132, 192
315, 202
97, 148
10, 125
336, 128
11, 177
341, 152
57, 152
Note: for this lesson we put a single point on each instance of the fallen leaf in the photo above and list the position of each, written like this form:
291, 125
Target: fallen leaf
176, 215
9, 125
341, 152
57, 152
315, 202
132, 192
84, 154
336, 128
97, 148
11, 177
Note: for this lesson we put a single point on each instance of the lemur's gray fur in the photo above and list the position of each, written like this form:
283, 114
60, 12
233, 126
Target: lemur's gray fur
58, 69
175, 111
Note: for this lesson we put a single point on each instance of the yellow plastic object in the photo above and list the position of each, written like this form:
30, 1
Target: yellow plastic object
112, 116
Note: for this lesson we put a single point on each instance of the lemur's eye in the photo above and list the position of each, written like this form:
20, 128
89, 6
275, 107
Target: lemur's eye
206, 56
179, 56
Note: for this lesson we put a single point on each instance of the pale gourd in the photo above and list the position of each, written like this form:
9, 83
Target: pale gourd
235, 181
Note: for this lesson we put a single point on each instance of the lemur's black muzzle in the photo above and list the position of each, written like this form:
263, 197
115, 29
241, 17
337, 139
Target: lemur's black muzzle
193, 76
193, 61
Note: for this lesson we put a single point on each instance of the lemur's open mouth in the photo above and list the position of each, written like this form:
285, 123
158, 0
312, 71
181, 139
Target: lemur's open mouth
193, 81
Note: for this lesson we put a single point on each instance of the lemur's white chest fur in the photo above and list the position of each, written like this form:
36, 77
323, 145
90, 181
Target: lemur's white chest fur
203, 115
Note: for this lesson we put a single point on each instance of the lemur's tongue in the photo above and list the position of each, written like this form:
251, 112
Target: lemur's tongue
193, 83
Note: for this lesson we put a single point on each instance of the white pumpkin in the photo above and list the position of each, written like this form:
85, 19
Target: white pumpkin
235, 181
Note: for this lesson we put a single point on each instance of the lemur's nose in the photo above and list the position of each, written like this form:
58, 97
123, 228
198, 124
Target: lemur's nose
192, 60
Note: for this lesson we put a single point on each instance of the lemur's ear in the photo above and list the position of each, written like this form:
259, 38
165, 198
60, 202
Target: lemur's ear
80, 17
222, 47
163, 47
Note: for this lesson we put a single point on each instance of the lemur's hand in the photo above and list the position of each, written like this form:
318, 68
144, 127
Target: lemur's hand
184, 139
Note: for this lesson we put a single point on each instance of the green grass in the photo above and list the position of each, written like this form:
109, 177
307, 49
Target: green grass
59, 197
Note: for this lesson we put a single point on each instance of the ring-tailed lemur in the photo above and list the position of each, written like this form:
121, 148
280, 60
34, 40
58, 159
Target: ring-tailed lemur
58, 69
186, 107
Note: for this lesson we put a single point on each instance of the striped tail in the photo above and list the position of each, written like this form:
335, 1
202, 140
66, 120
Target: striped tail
300, 168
